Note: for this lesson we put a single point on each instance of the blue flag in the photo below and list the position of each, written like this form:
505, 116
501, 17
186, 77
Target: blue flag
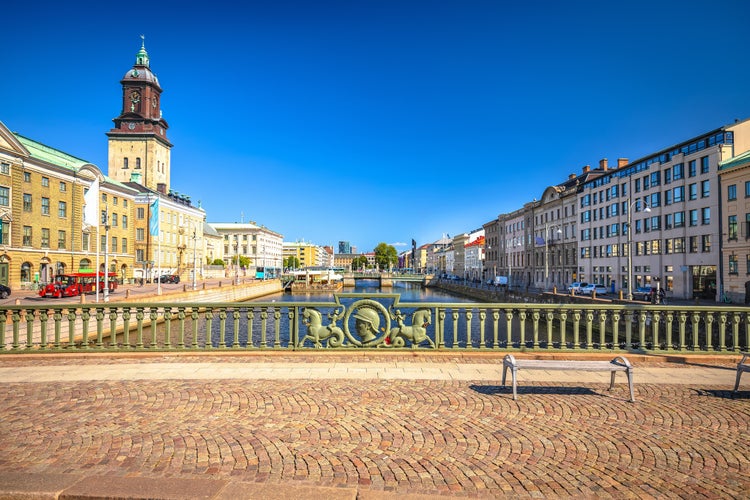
153, 222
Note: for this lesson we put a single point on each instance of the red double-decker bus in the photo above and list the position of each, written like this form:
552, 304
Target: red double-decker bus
73, 284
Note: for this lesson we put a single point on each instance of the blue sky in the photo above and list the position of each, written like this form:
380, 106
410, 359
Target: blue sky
371, 121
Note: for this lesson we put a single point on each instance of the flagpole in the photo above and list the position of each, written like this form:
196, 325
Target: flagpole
97, 243
158, 267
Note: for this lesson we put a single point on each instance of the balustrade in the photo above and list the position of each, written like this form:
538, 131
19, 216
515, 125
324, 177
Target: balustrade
358, 321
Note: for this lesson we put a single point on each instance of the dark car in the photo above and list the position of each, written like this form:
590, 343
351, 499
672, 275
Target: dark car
169, 278
4, 292
643, 293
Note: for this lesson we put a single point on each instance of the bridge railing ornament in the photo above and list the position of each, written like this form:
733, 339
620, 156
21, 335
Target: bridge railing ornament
380, 321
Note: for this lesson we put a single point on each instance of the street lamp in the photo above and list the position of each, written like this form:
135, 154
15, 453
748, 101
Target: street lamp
195, 231
547, 227
630, 245
237, 256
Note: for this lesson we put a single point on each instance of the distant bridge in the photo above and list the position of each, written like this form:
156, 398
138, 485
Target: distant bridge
385, 279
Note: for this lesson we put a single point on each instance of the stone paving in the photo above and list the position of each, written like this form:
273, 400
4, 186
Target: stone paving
356, 434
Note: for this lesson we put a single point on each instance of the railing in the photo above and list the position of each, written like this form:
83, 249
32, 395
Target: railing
363, 321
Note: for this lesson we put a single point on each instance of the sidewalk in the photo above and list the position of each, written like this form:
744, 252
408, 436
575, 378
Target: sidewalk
282, 425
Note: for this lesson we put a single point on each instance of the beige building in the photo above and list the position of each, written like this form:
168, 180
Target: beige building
262, 246
672, 197
42, 233
734, 176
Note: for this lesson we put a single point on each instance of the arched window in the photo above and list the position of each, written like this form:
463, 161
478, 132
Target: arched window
137, 163
124, 163
26, 272
84, 264
59, 268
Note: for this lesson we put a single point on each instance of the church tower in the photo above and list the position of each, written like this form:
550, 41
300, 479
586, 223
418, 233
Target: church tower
138, 147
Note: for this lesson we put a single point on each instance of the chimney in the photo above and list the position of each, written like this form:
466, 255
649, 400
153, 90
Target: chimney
162, 188
603, 164
571, 177
587, 169
621, 162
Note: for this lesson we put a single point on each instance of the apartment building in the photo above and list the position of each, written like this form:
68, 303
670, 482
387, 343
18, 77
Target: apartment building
262, 246
671, 200
734, 177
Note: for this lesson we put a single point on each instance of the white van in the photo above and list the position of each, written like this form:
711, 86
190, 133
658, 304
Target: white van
500, 281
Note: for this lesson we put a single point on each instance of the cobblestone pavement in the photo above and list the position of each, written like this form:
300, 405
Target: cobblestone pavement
370, 438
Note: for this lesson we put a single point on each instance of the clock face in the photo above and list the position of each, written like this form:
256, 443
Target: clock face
135, 97
131, 126
153, 102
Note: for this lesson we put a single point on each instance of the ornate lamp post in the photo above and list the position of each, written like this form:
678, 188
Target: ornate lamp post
631, 204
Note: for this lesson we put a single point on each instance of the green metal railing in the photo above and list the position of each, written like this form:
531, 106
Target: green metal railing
361, 321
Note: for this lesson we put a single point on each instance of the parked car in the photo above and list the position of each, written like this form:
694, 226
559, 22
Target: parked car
169, 278
577, 286
593, 287
4, 292
643, 293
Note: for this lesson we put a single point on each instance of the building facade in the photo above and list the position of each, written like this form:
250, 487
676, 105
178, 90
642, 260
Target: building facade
261, 246
734, 182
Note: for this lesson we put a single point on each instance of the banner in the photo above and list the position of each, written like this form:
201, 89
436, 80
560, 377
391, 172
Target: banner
91, 205
153, 222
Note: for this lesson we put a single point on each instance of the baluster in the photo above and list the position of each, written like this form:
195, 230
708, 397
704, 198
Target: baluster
181, 323
656, 322
469, 340
263, 320
222, 328
454, 315
167, 328
125, 329
602, 328
85, 317
535, 315
250, 317
629, 329
195, 316
440, 332
139, 327
99, 327
736, 331
209, 328
236, 339
482, 317
616, 329
670, 325
44, 320
696, 320
563, 327
683, 323
154, 315
550, 316
113, 327
709, 331
277, 327
576, 329
71, 328
16, 330
589, 329
509, 325
29, 316
723, 332
58, 328
293, 329
522, 319
495, 329
643, 317
3, 326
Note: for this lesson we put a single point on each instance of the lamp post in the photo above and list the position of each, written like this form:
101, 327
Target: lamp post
195, 231
631, 204
237, 256
547, 227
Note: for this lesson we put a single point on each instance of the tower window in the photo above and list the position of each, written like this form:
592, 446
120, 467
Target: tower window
137, 163
124, 163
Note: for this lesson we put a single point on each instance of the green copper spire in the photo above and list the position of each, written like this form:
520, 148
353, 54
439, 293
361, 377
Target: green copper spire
141, 58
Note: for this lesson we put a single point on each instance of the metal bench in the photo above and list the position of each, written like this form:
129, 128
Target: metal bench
618, 364
742, 367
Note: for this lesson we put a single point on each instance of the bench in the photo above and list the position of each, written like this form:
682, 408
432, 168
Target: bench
742, 367
618, 364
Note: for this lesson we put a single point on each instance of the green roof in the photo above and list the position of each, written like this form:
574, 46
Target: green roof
51, 155
735, 161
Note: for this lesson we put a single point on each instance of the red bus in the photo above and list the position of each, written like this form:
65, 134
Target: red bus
71, 285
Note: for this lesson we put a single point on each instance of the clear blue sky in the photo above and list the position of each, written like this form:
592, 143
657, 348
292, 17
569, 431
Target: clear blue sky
380, 120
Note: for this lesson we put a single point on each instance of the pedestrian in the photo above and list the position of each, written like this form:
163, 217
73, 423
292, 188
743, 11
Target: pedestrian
662, 295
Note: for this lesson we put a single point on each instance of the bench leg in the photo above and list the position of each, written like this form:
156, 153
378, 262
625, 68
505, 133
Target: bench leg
513, 372
629, 373
737, 382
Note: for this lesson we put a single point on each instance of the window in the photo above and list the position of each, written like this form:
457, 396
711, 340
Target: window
45, 181
705, 189
125, 203
694, 217
62, 209
693, 191
679, 245
114, 244
114, 220
734, 267
137, 163
125, 163
26, 177
115, 200
646, 184
747, 189
655, 200
668, 221
140, 234
4, 196
679, 219
45, 206
678, 171
706, 243
668, 246
668, 197
655, 223
693, 244
61, 239
124, 221
3, 235
732, 227
103, 243
124, 245
45, 237
706, 215
27, 205
140, 213
732, 192
667, 176
637, 186
704, 165
63, 187
85, 242
678, 194
139, 255
5, 168
692, 172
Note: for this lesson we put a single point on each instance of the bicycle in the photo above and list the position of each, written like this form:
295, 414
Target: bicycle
725, 299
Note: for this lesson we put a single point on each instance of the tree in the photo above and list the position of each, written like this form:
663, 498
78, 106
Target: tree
385, 256
291, 262
359, 262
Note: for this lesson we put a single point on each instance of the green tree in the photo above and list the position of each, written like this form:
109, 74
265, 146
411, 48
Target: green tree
217, 262
359, 262
291, 262
385, 256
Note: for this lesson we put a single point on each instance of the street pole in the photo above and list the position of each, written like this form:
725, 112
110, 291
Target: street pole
646, 209
195, 230
106, 255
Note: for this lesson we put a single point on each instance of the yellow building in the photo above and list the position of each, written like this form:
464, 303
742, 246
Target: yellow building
734, 175
42, 233
308, 254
